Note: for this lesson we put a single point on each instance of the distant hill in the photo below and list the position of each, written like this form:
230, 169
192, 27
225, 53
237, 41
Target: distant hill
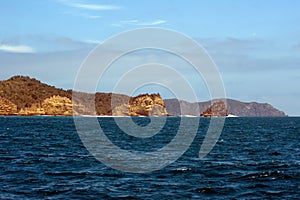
22, 95
24, 91
234, 107
28, 96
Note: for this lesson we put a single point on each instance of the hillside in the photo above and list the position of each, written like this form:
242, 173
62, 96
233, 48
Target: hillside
24, 91
234, 107
22, 95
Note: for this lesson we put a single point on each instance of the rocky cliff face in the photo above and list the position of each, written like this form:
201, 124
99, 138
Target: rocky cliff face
7, 107
217, 109
142, 105
55, 105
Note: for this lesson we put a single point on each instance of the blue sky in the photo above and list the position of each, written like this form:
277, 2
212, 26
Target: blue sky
255, 44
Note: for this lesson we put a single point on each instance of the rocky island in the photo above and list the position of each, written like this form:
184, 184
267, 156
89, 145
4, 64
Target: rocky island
22, 95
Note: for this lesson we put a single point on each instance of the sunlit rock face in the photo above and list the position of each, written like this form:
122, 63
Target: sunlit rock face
7, 107
142, 105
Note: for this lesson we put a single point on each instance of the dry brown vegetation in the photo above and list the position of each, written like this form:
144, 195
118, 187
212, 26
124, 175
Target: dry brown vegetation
22, 95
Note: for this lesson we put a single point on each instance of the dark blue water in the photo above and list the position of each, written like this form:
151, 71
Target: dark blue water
44, 158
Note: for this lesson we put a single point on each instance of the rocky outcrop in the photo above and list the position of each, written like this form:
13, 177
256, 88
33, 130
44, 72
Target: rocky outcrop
217, 109
56, 106
7, 107
142, 105
35, 109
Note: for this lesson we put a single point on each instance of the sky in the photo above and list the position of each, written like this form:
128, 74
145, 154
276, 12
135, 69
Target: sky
255, 44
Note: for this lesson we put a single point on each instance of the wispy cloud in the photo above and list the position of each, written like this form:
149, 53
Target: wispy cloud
94, 6
16, 48
157, 22
93, 16
79, 14
93, 41
136, 22
87, 6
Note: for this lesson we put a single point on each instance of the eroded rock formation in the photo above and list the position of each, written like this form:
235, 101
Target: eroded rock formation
7, 107
55, 105
142, 105
217, 109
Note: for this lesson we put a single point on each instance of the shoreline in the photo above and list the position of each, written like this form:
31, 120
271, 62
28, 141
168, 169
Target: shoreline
115, 116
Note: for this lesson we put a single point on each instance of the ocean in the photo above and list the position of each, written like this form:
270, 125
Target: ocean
43, 157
